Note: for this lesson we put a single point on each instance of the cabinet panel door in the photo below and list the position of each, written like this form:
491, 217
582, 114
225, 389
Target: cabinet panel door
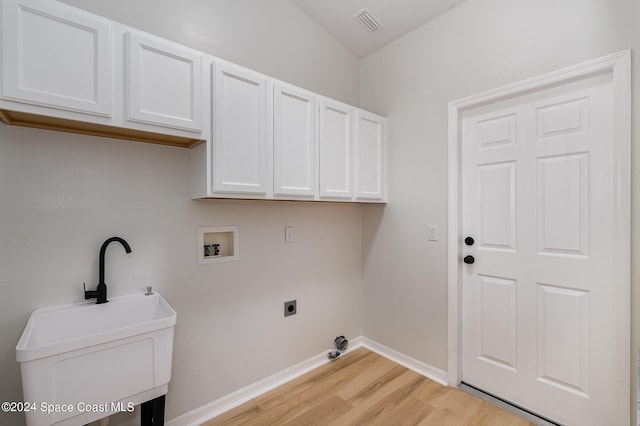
55, 55
369, 148
335, 149
240, 136
164, 83
294, 143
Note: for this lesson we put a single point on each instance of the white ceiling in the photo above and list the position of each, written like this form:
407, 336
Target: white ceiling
398, 16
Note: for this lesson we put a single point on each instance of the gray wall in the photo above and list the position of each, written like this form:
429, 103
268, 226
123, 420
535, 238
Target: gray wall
477, 46
62, 195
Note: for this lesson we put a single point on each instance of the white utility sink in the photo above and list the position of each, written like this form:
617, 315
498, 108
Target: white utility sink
85, 361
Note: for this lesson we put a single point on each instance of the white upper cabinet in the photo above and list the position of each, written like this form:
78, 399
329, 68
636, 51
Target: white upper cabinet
56, 56
336, 135
65, 69
294, 141
164, 83
239, 130
369, 154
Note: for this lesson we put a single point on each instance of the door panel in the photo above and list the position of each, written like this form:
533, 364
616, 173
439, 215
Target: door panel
498, 321
537, 173
563, 118
563, 205
294, 142
497, 206
336, 137
72, 46
164, 83
563, 351
369, 152
240, 135
498, 131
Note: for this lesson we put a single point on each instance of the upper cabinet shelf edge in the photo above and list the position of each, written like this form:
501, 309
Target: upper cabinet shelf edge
69, 70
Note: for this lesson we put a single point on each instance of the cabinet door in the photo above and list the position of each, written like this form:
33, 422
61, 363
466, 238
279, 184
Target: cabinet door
164, 83
335, 149
240, 135
369, 153
55, 55
294, 141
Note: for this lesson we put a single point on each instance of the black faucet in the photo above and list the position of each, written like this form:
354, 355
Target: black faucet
101, 292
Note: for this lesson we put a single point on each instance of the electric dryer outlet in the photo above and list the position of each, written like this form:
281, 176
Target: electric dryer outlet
290, 308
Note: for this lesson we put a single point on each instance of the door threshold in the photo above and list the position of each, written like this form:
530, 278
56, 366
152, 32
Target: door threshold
507, 406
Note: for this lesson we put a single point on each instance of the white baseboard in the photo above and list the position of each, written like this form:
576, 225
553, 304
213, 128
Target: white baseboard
433, 373
239, 397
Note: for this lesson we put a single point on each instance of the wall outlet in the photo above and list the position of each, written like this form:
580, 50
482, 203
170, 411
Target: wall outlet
290, 308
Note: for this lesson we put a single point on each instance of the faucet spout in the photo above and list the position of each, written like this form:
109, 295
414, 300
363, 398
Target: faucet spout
103, 250
101, 292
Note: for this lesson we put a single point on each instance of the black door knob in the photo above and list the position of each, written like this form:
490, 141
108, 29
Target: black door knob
469, 241
469, 260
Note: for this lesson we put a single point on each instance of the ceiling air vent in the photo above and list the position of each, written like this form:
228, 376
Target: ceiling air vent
368, 20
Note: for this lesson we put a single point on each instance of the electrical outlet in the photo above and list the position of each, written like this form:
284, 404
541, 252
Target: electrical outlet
290, 308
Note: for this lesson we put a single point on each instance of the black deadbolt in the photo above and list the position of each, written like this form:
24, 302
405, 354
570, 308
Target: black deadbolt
469, 241
469, 260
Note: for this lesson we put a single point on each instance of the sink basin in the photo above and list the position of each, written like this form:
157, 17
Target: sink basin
84, 361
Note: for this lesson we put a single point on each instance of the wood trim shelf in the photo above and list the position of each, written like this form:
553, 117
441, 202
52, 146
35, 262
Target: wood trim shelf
23, 119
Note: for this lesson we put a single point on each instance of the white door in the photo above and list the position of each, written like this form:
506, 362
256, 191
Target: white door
538, 194
239, 128
294, 141
369, 153
164, 83
336, 135
57, 56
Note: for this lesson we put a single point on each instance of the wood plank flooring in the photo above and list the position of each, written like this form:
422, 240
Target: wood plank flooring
364, 388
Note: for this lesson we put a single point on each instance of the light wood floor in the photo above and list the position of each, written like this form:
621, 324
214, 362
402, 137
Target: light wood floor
363, 388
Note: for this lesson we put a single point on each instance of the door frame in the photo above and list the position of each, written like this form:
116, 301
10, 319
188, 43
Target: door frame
619, 66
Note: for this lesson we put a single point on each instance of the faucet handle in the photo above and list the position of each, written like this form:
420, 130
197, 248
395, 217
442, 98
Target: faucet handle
89, 294
149, 292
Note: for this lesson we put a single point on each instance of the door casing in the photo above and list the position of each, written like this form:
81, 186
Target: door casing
619, 66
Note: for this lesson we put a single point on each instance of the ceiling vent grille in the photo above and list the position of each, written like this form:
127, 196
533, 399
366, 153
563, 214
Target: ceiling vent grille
368, 20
